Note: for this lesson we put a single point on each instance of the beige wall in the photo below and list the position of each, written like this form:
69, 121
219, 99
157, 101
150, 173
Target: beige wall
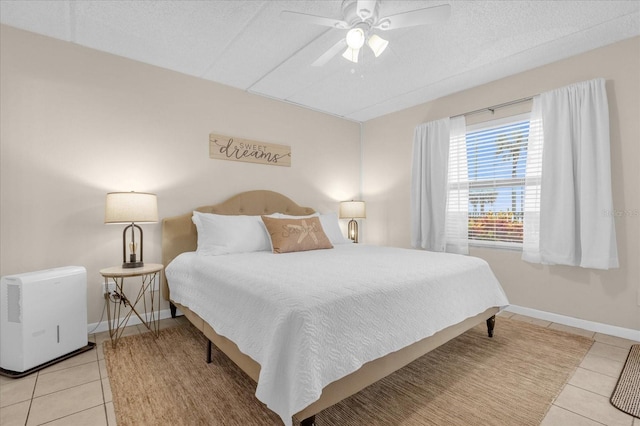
77, 123
608, 297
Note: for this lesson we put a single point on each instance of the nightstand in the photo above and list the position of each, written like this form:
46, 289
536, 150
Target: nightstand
149, 275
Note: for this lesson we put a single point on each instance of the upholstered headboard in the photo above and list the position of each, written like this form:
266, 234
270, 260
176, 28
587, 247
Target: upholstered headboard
179, 233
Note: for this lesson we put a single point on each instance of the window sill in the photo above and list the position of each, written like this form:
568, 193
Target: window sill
496, 245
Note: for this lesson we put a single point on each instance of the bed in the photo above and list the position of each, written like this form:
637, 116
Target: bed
298, 368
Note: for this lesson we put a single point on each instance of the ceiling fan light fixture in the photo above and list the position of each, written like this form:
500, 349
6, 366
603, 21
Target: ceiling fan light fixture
355, 38
351, 55
360, 18
377, 44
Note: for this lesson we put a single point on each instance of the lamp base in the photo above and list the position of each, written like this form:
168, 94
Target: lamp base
132, 265
352, 230
133, 259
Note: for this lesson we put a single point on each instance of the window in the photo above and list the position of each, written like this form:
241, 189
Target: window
496, 162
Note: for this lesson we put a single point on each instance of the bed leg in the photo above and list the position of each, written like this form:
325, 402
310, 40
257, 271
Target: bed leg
310, 421
173, 308
208, 351
491, 323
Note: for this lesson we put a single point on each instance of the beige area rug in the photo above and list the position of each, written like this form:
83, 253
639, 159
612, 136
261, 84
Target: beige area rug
626, 395
511, 379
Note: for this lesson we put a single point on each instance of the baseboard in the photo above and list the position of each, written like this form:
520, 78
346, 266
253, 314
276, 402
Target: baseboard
625, 333
101, 326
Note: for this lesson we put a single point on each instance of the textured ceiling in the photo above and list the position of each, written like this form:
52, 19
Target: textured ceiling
246, 44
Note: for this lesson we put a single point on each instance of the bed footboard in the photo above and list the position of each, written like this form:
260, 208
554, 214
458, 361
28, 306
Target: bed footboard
367, 374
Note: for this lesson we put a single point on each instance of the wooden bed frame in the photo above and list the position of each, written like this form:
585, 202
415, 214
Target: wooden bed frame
179, 235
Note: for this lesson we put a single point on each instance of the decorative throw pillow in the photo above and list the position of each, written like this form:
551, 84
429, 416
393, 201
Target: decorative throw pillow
289, 235
329, 222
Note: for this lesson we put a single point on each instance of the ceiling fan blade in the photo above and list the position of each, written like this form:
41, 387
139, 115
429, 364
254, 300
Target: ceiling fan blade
365, 9
313, 19
429, 15
329, 54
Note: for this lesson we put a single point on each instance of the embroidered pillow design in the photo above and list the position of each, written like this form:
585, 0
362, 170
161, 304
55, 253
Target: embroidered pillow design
289, 235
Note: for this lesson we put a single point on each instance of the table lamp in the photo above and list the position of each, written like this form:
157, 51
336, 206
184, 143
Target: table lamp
131, 207
353, 210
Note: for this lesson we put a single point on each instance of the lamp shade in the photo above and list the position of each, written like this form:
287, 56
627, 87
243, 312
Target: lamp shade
377, 44
130, 207
351, 54
352, 210
355, 38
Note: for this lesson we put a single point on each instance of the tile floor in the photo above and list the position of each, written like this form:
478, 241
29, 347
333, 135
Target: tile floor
77, 391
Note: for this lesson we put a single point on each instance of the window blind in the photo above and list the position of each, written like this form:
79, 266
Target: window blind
497, 157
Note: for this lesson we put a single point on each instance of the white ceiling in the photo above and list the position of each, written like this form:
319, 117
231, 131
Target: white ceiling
245, 44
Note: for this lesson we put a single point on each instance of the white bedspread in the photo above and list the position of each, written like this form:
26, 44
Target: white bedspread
310, 318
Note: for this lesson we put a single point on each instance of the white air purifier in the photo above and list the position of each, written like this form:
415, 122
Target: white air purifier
43, 317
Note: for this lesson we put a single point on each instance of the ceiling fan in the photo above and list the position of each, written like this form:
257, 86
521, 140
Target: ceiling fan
361, 18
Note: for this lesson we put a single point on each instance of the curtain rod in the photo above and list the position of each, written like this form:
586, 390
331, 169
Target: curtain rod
495, 107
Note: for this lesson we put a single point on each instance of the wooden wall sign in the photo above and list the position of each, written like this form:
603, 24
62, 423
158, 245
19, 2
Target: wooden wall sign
235, 149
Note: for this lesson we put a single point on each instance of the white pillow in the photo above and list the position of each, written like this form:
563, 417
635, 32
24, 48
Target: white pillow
227, 234
329, 222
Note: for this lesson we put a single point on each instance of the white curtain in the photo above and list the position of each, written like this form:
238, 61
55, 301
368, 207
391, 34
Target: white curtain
439, 207
457, 215
532, 186
429, 185
576, 226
